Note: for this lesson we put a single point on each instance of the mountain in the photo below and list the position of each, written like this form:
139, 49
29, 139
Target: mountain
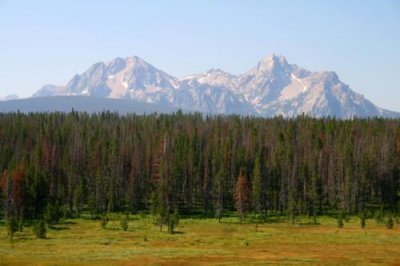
275, 87
51, 90
81, 104
272, 87
10, 97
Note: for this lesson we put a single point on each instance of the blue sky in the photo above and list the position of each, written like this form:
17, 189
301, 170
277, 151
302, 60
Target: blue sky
45, 42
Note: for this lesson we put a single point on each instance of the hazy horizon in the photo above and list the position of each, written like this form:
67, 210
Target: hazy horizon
46, 42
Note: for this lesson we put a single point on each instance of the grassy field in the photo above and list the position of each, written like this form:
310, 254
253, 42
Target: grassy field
204, 241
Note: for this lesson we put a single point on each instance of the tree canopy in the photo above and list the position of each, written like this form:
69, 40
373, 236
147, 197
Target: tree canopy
63, 164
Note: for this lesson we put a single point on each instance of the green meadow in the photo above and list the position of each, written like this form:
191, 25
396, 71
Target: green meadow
204, 242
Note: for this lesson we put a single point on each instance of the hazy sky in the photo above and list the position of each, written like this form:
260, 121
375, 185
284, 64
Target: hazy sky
45, 42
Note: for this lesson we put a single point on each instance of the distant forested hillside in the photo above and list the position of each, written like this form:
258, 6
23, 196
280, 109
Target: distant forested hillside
62, 164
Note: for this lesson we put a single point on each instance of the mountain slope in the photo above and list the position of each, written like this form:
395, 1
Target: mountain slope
272, 87
81, 104
10, 97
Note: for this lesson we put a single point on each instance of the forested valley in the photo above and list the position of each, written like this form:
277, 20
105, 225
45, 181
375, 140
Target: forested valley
55, 165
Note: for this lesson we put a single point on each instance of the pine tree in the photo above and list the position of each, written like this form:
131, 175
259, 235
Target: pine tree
78, 196
159, 197
218, 213
340, 223
173, 221
92, 206
256, 186
242, 195
12, 227
21, 224
125, 222
104, 221
389, 223
40, 229
363, 219
159, 204
108, 162
53, 213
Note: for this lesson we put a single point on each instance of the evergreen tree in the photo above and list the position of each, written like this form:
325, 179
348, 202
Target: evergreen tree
242, 195
92, 206
21, 224
78, 197
173, 221
218, 213
363, 219
256, 186
40, 229
12, 227
292, 205
159, 203
340, 222
160, 200
389, 223
53, 213
63, 163
104, 221
125, 222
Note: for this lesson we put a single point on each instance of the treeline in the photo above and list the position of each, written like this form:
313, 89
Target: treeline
58, 164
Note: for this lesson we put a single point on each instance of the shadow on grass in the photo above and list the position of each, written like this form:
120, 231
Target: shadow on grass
308, 223
275, 220
58, 228
250, 221
23, 238
177, 233
68, 222
244, 223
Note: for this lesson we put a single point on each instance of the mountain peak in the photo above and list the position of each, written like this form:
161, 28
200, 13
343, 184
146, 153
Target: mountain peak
272, 62
272, 87
216, 71
11, 97
331, 75
135, 59
275, 59
122, 62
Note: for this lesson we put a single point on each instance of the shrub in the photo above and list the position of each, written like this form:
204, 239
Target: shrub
53, 214
173, 221
340, 222
363, 220
21, 224
40, 229
218, 213
314, 220
65, 212
12, 227
125, 222
104, 221
378, 216
389, 223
